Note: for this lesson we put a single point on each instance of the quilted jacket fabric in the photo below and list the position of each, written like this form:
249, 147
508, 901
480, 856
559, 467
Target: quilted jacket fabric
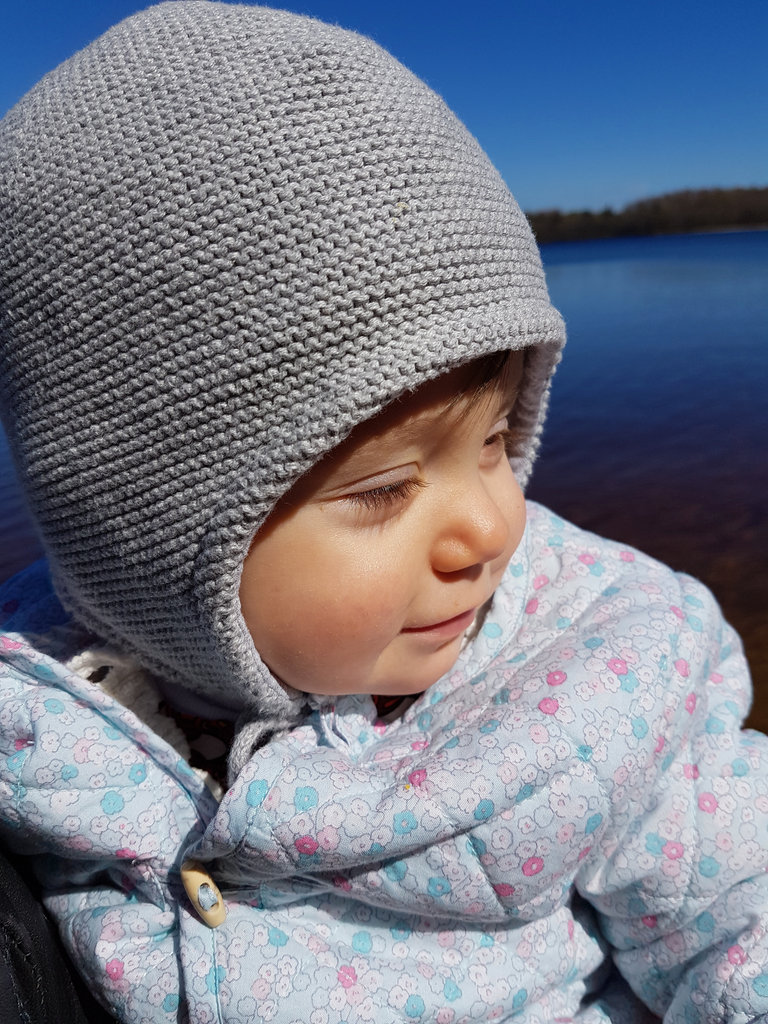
570, 825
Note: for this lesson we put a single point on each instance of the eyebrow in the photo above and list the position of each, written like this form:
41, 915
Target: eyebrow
377, 447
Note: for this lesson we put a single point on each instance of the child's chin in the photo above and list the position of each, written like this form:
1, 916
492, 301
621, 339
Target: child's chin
417, 684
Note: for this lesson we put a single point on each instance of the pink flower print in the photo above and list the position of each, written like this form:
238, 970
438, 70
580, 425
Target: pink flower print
583, 853
683, 667
347, 976
691, 771
533, 866
316, 945
115, 969
10, 645
659, 745
342, 883
306, 845
539, 734
532, 607
80, 750
673, 850
328, 837
724, 842
21, 743
548, 706
556, 678
419, 744
445, 1016
649, 920
570, 929
715, 677
618, 665
627, 556
677, 612
111, 932
126, 854
504, 890
690, 703
418, 777
80, 843
708, 803
261, 988
540, 581
736, 955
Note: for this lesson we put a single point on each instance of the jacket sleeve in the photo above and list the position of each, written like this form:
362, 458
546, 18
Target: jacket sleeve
104, 814
679, 877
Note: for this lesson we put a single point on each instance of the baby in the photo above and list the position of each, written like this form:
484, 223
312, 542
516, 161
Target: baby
276, 346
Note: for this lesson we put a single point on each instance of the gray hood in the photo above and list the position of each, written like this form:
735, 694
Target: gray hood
228, 235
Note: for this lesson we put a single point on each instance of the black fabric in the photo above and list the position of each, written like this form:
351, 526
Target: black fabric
37, 983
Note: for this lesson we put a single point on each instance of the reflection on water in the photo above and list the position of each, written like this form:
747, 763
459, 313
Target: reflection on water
658, 422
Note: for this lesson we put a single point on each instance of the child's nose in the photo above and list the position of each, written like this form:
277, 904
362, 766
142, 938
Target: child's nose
474, 531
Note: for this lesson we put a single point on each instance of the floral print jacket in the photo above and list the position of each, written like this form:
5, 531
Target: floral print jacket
570, 825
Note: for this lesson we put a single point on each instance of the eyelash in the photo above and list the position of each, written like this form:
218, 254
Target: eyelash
379, 498
382, 497
509, 438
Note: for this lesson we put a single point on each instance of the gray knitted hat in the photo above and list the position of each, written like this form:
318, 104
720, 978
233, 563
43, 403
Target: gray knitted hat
229, 234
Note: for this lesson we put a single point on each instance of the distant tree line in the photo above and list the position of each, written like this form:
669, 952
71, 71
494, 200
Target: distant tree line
673, 213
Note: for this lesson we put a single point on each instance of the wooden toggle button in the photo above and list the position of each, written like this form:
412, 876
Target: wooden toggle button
203, 893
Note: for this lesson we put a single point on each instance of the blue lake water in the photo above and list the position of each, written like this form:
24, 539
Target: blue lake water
659, 416
658, 419
667, 353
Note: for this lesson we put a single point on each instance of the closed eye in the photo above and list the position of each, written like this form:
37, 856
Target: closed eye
378, 498
509, 439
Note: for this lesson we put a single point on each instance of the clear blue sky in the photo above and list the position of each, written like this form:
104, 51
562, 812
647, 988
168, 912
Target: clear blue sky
579, 103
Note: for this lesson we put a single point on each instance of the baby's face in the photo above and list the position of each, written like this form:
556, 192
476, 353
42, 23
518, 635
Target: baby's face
371, 569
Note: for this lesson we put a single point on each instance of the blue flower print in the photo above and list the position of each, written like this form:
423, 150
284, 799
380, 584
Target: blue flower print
256, 792
484, 810
404, 822
451, 990
362, 943
305, 798
438, 887
395, 871
112, 803
277, 937
414, 1007
594, 821
214, 978
709, 867
520, 997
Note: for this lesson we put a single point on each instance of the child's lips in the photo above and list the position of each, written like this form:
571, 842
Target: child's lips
447, 629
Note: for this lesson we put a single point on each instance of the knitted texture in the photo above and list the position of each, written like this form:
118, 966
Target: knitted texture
228, 235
